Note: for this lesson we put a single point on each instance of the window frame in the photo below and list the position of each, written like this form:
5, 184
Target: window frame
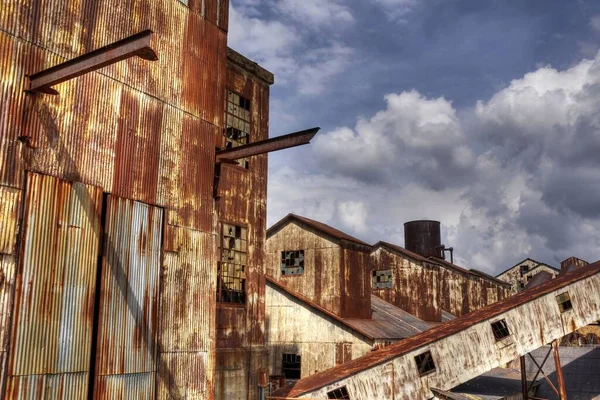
298, 361
561, 304
390, 282
246, 105
243, 256
339, 393
424, 359
282, 267
498, 330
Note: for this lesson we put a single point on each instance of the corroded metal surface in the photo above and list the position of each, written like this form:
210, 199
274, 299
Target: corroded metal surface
127, 327
53, 315
465, 347
423, 237
10, 205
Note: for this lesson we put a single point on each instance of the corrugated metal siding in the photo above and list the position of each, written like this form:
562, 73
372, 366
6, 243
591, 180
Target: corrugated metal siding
127, 327
66, 386
10, 202
127, 386
7, 284
55, 290
187, 315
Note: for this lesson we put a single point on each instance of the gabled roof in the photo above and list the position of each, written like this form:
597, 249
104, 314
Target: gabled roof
319, 226
487, 276
397, 249
537, 264
430, 336
388, 322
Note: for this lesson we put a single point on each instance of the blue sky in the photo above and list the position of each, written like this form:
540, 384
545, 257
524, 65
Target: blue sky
481, 114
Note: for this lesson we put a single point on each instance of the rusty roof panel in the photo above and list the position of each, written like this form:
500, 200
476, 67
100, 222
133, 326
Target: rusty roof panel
55, 291
187, 309
7, 284
126, 386
129, 291
60, 387
10, 201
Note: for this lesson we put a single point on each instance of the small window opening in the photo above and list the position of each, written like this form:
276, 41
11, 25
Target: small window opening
382, 279
231, 268
564, 302
425, 363
341, 393
292, 262
237, 123
291, 366
524, 269
500, 329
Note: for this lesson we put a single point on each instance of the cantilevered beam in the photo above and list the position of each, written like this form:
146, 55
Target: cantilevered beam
266, 146
136, 45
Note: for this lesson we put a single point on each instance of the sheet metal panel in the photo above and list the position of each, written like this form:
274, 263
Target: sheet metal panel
10, 207
66, 386
186, 376
56, 285
7, 284
127, 386
128, 315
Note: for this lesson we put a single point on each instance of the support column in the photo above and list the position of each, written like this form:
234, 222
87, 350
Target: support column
559, 374
524, 379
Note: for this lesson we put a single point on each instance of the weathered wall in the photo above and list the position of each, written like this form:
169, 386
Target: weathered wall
143, 131
416, 286
322, 260
473, 351
295, 328
517, 280
242, 197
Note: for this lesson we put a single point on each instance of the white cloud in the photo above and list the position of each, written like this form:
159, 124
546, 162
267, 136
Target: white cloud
595, 22
397, 9
520, 179
315, 13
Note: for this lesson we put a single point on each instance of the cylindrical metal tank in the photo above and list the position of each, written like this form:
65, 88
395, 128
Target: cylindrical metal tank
423, 237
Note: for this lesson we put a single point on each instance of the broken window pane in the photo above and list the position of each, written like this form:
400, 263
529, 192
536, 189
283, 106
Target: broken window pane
382, 279
292, 262
341, 393
231, 268
237, 123
564, 302
425, 363
291, 366
500, 329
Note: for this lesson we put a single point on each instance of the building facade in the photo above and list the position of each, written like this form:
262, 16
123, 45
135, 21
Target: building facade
131, 261
521, 273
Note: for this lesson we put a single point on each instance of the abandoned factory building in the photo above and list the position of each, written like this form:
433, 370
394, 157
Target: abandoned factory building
433, 362
332, 297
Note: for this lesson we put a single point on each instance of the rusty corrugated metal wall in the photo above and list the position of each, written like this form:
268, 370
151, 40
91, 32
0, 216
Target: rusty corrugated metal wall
128, 314
142, 131
241, 351
54, 302
415, 288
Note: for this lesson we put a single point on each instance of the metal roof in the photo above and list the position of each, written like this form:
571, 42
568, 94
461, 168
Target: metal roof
435, 334
388, 321
401, 250
321, 227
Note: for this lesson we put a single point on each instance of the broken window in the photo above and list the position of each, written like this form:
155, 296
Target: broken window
231, 268
425, 363
500, 329
341, 393
291, 366
564, 302
292, 262
382, 279
237, 123
524, 269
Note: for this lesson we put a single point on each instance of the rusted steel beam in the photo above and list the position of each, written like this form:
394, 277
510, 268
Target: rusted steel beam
539, 367
135, 45
266, 146
524, 388
559, 373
